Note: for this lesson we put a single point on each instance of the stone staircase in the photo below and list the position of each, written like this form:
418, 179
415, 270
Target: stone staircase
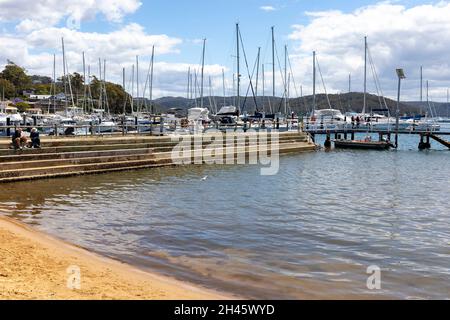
63, 157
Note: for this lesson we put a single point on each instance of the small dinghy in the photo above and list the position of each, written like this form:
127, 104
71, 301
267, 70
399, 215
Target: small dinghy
363, 144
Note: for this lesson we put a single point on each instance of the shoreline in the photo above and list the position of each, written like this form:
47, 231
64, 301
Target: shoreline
34, 265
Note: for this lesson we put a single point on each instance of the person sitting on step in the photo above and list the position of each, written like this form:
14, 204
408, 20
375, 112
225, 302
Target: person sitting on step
35, 139
18, 139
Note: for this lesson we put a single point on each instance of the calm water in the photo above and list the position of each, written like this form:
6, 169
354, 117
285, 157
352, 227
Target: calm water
310, 231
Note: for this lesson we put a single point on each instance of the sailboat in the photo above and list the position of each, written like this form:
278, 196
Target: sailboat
200, 115
367, 142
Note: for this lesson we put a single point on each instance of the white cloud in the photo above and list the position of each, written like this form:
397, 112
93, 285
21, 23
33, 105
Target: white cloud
398, 37
52, 12
267, 8
40, 25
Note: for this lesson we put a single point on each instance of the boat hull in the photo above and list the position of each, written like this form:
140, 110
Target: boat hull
367, 145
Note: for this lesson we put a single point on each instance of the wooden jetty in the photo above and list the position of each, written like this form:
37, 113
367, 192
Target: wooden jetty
440, 140
63, 157
349, 133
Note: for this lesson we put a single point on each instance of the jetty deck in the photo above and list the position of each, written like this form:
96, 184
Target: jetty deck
64, 156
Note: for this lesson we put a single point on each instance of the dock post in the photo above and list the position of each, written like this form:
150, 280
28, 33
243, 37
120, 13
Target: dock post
423, 145
8, 129
327, 143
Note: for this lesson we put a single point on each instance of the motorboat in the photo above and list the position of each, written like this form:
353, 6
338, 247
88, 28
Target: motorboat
366, 143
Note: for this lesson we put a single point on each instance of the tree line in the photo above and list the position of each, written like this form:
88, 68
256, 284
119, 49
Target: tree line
14, 81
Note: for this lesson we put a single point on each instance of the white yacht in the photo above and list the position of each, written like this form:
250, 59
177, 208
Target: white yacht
328, 119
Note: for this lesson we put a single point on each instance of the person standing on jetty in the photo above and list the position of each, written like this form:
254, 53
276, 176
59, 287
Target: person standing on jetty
18, 139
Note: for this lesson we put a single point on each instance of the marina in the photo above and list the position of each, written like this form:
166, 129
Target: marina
178, 151
318, 224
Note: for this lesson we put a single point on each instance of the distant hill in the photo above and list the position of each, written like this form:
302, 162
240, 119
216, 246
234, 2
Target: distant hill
440, 109
345, 102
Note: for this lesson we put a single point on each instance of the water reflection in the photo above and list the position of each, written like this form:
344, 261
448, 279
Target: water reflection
310, 231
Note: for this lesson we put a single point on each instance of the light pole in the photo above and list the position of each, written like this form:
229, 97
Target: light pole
401, 75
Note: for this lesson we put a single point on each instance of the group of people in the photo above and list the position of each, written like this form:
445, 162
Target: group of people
356, 121
19, 140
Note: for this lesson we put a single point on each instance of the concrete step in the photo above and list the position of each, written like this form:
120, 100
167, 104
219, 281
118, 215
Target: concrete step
72, 155
72, 161
79, 173
107, 164
99, 147
120, 140
52, 170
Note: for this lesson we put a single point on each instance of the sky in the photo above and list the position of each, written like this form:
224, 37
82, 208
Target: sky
401, 34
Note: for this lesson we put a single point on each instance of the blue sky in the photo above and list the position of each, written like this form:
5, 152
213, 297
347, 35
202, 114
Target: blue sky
215, 20
404, 34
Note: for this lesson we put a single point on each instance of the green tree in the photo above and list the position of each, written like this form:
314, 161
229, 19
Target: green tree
17, 76
7, 88
77, 83
43, 89
116, 98
22, 106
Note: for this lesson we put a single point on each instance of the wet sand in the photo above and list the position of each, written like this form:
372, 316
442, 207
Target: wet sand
34, 265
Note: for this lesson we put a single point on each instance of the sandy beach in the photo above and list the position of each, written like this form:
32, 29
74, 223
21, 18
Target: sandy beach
34, 265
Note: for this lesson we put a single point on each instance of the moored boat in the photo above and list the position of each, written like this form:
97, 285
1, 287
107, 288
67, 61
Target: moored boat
362, 144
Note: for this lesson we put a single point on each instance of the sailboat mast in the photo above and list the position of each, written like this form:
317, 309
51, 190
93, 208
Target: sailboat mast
314, 83
238, 75
273, 61
365, 75
223, 85
203, 74
54, 82
151, 79
192, 86
84, 84
137, 85
132, 89
188, 82
104, 87
285, 80
257, 71
64, 75
89, 87
421, 89
100, 100
263, 86
195, 87
123, 85
349, 89
288, 92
